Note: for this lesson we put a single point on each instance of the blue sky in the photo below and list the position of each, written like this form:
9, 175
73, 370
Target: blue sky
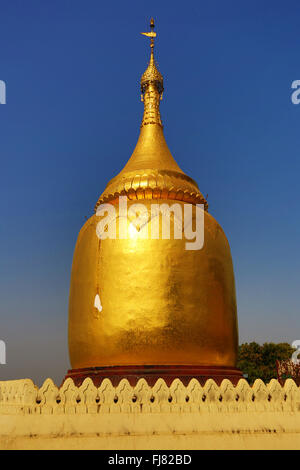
71, 121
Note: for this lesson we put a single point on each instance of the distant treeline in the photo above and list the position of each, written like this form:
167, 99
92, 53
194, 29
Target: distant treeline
259, 361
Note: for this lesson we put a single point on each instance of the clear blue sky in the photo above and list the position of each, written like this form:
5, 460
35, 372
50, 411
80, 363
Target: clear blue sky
71, 121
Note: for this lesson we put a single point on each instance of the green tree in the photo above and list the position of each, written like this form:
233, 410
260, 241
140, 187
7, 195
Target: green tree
259, 361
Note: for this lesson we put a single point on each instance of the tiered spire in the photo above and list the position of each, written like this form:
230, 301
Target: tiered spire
152, 75
151, 170
151, 86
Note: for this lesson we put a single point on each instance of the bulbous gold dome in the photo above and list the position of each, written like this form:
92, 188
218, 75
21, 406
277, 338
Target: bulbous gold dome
160, 303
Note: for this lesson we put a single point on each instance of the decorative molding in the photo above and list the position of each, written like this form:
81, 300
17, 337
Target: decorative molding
24, 397
153, 184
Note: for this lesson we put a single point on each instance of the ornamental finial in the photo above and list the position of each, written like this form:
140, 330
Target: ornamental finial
152, 34
152, 74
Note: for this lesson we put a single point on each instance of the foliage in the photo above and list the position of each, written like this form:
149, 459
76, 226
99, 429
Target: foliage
259, 361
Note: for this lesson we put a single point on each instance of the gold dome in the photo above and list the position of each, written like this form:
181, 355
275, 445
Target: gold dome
161, 304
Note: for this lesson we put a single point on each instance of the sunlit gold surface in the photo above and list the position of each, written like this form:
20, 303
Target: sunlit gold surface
161, 304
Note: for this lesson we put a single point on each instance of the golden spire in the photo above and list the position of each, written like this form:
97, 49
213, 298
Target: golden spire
151, 170
151, 85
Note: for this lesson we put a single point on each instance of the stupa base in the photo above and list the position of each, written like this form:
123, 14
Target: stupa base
152, 373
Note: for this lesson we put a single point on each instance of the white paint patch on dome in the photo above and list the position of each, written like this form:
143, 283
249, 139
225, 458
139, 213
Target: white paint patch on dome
97, 303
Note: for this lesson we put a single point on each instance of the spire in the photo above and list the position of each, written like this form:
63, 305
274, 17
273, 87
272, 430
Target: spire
151, 85
151, 171
151, 151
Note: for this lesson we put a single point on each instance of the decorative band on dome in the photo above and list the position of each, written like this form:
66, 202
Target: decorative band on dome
153, 184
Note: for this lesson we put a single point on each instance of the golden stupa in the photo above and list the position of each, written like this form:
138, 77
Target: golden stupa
149, 307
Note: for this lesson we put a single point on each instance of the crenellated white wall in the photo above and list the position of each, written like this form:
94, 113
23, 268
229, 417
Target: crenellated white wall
144, 417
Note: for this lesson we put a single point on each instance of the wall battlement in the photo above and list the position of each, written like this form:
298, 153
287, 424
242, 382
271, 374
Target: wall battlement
145, 417
24, 397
